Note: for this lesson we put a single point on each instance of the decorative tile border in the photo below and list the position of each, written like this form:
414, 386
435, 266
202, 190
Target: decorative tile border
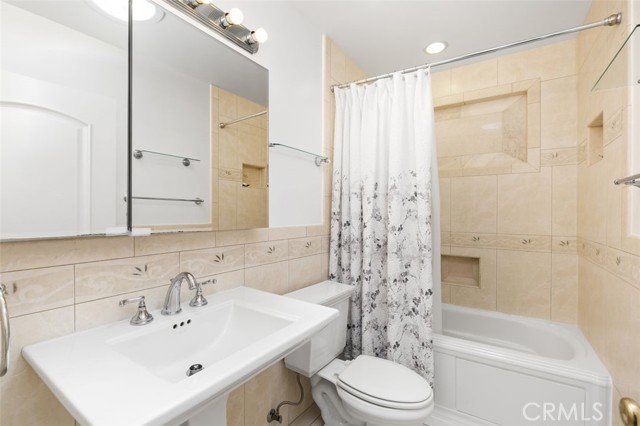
560, 156
620, 263
519, 242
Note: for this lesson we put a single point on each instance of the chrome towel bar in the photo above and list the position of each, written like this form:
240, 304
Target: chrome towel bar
318, 160
186, 161
257, 114
196, 200
633, 180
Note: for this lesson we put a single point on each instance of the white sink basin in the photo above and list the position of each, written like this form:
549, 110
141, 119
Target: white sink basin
119, 374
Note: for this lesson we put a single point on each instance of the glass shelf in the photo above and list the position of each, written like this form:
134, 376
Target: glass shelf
624, 68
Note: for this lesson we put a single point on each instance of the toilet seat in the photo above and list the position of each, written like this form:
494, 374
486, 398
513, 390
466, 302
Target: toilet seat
384, 384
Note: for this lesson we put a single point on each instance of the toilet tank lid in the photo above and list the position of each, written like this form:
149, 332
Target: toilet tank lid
324, 293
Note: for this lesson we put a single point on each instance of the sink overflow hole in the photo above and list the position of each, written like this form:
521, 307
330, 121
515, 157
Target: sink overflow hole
195, 368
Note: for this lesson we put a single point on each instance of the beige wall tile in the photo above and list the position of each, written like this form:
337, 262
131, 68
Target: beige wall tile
324, 267
228, 157
38, 289
273, 277
305, 271
235, 407
564, 288
295, 412
268, 252
615, 164
338, 66
248, 236
44, 253
524, 203
474, 204
228, 103
524, 283
103, 311
565, 200
547, 62
325, 244
287, 232
308, 418
446, 293
475, 76
174, 241
212, 261
264, 392
307, 246
441, 83
592, 202
318, 230
484, 296
559, 113
224, 281
104, 279
24, 398
228, 204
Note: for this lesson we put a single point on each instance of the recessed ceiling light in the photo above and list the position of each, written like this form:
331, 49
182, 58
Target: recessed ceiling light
142, 9
435, 47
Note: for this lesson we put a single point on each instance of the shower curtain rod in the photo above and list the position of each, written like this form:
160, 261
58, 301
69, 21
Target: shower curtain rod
609, 21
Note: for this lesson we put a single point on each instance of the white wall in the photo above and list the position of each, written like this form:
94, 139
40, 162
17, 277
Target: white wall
159, 126
293, 56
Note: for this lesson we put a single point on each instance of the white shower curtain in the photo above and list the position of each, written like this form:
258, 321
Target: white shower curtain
384, 218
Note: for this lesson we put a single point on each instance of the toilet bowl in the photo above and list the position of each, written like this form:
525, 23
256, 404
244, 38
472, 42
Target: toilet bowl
367, 391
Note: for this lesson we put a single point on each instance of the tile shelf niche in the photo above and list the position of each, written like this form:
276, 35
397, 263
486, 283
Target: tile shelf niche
488, 132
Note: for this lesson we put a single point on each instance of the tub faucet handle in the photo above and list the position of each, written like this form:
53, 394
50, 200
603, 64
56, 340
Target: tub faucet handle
142, 317
198, 299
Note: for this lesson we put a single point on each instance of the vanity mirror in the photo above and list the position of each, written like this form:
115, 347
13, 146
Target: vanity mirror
199, 129
63, 112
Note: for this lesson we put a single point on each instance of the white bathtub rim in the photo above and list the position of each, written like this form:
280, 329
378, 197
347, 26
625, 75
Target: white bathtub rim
501, 357
585, 366
567, 333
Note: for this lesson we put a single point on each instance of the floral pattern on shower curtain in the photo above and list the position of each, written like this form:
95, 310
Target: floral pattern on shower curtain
381, 217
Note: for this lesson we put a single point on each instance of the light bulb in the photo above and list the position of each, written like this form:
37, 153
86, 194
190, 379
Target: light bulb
435, 47
258, 36
234, 16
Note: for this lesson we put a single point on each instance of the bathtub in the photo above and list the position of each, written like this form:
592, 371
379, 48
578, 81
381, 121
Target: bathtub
499, 369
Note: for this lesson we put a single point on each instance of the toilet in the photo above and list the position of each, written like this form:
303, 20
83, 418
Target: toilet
367, 391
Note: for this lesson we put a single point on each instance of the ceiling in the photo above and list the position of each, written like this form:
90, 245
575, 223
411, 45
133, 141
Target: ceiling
385, 36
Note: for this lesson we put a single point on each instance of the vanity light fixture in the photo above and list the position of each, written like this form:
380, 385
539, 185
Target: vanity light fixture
227, 24
435, 47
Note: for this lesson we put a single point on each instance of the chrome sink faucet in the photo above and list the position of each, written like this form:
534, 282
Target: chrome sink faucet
172, 299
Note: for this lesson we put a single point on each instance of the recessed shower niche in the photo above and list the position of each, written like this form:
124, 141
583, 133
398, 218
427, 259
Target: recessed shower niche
489, 131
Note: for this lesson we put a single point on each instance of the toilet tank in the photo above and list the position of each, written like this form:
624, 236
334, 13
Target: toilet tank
326, 345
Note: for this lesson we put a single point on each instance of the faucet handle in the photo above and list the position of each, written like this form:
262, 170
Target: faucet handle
198, 299
142, 317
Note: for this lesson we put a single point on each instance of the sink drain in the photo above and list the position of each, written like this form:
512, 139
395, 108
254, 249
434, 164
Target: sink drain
195, 368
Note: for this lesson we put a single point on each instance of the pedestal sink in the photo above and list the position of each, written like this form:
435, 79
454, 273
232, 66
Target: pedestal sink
178, 368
